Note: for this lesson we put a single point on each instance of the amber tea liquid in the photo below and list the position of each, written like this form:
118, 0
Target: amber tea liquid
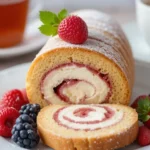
13, 16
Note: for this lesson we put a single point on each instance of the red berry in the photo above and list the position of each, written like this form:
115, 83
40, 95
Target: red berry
144, 136
14, 98
135, 103
8, 117
73, 30
24, 93
147, 123
2, 105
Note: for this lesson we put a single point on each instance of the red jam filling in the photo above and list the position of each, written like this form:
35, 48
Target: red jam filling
82, 113
70, 82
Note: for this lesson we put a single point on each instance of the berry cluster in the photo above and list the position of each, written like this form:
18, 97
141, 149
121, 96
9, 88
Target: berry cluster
24, 132
18, 119
10, 105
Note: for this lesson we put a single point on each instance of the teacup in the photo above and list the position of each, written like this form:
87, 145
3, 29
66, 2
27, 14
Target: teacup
143, 18
13, 19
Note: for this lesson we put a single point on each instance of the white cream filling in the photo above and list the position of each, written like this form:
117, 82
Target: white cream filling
96, 92
99, 114
78, 91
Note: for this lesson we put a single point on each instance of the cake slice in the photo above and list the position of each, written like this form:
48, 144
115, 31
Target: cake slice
87, 127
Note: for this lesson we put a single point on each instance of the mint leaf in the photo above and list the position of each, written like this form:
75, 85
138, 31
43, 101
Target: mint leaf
143, 109
51, 21
144, 105
48, 17
62, 14
48, 30
143, 118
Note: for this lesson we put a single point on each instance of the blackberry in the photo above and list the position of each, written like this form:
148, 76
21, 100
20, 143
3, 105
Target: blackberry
24, 135
30, 109
26, 119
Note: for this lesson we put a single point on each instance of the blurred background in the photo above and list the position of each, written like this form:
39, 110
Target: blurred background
122, 10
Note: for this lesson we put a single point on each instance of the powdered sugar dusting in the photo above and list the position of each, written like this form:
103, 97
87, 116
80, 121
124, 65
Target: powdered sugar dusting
100, 20
90, 44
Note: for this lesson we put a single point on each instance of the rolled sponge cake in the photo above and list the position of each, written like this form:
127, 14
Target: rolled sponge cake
101, 70
87, 127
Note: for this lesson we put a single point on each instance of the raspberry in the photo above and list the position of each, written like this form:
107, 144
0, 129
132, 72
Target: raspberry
14, 98
73, 30
2, 105
8, 117
24, 93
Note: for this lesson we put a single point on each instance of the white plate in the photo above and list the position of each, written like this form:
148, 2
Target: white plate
33, 40
141, 50
15, 78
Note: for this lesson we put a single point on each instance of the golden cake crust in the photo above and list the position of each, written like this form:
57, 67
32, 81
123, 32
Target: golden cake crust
76, 54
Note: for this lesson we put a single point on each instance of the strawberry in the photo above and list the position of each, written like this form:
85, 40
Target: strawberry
73, 30
135, 103
14, 98
143, 110
8, 117
147, 123
144, 136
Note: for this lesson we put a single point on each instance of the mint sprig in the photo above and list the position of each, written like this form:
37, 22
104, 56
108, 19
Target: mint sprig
62, 14
143, 109
51, 21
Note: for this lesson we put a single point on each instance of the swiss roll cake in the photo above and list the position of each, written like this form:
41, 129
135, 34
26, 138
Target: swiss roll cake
87, 127
101, 70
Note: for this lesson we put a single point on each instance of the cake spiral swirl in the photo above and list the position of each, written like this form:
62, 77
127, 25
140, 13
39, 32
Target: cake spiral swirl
86, 118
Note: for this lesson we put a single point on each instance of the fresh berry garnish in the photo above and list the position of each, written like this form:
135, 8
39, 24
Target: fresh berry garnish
14, 98
24, 135
141, 97
143, 109
142, 106
147, 123
30, 109
144, 136
26, 119
24, 93
71, 29
8, 117
2, 105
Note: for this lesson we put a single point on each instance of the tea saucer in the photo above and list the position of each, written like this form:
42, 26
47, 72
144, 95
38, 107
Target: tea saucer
141, 50
33, 40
